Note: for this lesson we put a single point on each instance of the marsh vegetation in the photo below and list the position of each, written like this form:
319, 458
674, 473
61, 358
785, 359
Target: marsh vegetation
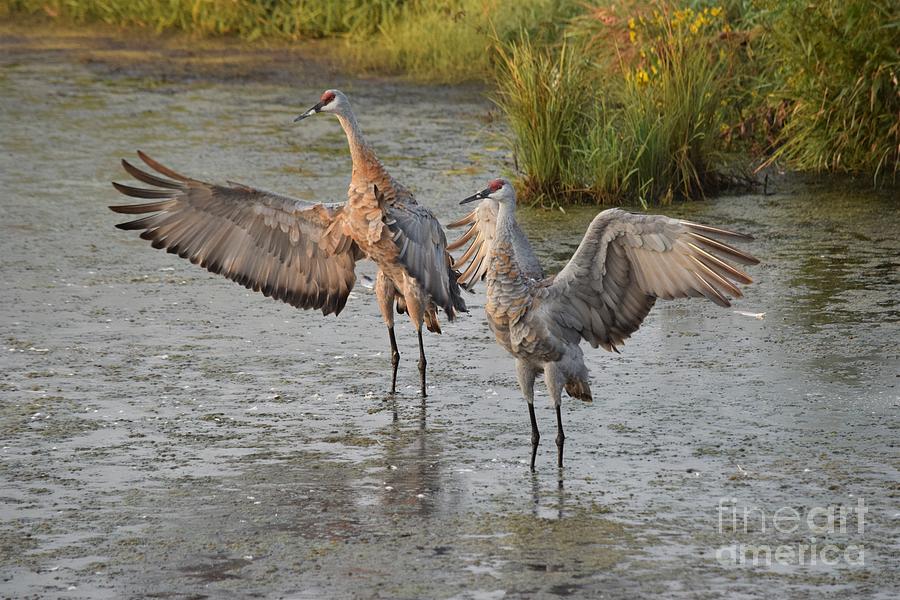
608, 102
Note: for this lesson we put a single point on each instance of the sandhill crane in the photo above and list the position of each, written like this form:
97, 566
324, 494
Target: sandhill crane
404, 239
299, 252
624, 263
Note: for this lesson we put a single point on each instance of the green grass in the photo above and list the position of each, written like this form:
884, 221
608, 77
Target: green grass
643, 123
666, 97
249, 19
452, 41
836, 63
443, 41
672, 115
546, 97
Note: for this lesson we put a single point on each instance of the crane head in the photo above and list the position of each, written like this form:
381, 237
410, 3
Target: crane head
497, 189
330, 101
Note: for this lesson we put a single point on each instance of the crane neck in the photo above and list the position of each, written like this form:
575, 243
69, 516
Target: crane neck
504, 265
506, 220
362, 154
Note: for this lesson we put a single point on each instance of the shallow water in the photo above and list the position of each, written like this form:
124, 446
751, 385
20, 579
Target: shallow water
166, 433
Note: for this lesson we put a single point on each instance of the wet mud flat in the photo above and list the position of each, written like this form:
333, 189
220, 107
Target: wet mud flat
165, 433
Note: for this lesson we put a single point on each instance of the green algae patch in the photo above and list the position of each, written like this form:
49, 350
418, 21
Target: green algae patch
53, 417
351, 439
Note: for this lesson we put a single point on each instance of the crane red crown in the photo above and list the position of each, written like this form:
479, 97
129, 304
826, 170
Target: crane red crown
327, 97
495, 185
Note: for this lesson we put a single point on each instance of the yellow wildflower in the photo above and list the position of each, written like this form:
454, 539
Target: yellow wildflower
632, 36
716, 11
631, 23
642, 77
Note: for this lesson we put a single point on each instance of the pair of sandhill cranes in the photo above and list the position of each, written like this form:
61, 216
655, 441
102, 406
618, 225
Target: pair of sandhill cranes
305, 254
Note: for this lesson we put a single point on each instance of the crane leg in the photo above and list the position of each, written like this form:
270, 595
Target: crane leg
386, 295
395, 359
422, 363
535, 434
526, 374
554, 378
560, 438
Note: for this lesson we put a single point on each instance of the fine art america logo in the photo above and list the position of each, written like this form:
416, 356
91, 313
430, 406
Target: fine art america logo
823, 529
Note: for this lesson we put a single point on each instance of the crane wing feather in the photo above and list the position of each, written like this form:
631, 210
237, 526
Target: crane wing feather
626, 261
422, 249
287, 249
482, 225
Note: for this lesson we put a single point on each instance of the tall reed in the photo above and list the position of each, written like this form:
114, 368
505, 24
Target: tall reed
547, 99
642, 125
836, 63
673, 106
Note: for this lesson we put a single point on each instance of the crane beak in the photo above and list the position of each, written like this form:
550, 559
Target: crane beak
480, 195
310, 112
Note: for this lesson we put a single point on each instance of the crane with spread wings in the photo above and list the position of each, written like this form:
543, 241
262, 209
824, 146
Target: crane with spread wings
625, 262
305, 253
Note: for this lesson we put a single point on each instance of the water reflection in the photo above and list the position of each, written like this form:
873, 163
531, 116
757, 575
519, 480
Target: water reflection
833, 279
559, 495
412, 457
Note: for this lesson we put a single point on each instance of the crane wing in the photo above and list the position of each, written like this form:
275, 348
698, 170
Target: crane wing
422, 249
626, 261
473, 263
287, 249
